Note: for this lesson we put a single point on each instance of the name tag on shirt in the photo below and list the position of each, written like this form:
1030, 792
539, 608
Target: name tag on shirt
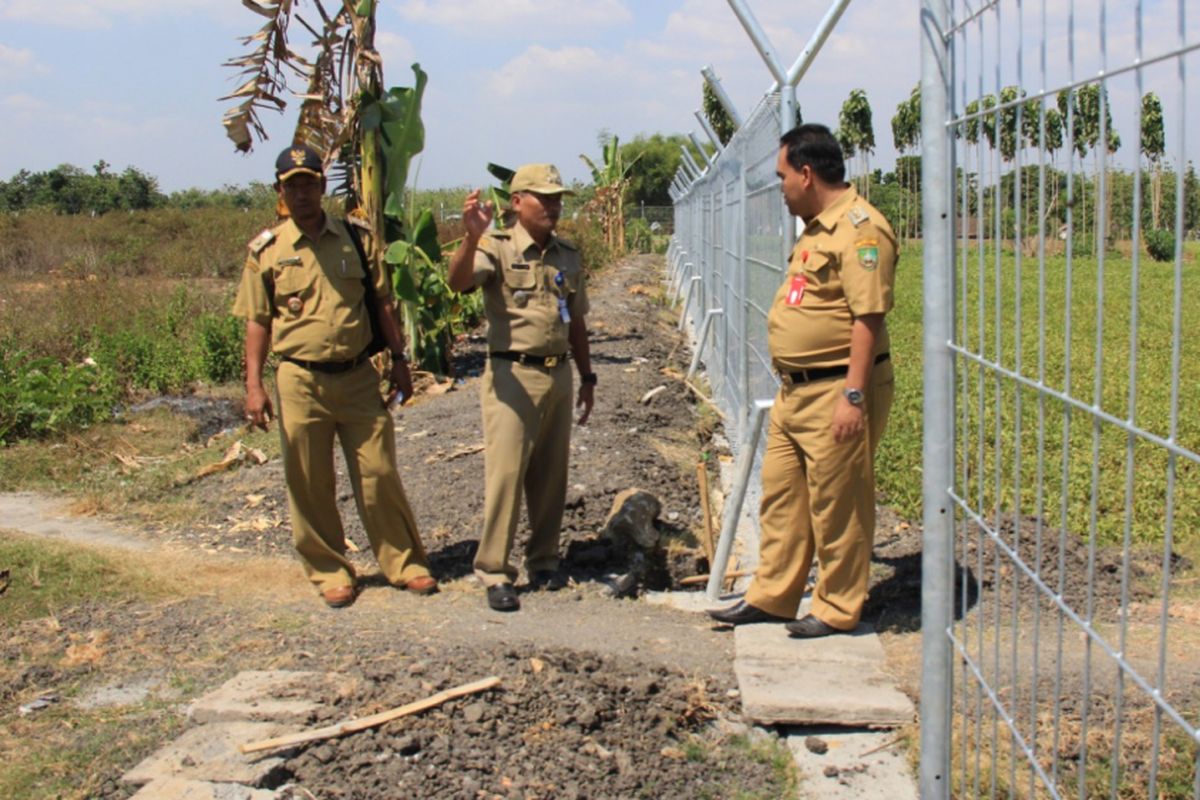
796, 290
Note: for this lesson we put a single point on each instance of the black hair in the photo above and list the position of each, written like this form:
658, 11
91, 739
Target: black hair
816, 146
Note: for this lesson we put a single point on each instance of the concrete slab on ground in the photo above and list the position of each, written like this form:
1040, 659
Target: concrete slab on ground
834, 680
857, 765
261, 695
182, 789
210, 753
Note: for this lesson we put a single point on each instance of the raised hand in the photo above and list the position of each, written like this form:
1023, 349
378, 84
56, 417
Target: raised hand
477, 216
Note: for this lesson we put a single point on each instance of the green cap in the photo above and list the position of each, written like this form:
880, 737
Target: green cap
539, 178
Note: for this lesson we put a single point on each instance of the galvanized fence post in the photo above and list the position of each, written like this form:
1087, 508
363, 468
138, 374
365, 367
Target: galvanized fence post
937, 562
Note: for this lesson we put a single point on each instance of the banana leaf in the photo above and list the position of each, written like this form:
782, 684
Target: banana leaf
397, 117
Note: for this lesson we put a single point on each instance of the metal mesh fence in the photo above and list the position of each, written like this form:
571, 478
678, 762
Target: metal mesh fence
1059, 293
729, 234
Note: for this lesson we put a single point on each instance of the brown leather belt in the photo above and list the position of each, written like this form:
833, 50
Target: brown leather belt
525, 358
821, 373
329, 367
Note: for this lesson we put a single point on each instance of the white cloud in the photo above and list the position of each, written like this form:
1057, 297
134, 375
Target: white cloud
397, 52
16, 64
528, 17
91, 14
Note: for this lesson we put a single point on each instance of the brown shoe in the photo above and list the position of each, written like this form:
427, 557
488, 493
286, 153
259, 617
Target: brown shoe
422, 584
339, 596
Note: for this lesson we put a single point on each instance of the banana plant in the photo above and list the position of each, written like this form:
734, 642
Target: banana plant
368, 138
611, 178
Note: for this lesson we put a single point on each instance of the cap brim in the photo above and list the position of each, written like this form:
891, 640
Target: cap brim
283, 176
550, 189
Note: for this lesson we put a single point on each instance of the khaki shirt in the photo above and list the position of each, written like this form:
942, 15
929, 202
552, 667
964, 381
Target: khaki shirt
309, 293
521, 291
846, 261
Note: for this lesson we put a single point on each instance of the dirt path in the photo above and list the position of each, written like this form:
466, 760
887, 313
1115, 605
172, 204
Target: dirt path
635, 683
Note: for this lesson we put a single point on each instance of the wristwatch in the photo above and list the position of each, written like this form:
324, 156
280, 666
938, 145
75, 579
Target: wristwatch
401, 356
588, 379
855, 396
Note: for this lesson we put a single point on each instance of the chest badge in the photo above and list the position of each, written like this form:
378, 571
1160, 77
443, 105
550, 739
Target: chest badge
796, 290
292, 261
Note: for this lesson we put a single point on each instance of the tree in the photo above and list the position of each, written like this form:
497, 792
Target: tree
857, 134
717, 116
655, 161
1153, 146
906, 135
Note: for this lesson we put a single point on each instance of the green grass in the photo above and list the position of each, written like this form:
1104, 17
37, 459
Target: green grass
1004, 429
45, 577
783, 784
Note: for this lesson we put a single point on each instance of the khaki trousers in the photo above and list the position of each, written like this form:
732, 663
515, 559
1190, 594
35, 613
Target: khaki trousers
527, 442
313, 407
818, 499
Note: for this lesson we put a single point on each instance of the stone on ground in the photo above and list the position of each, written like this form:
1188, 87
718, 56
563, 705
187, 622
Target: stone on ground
260, 695
631, 519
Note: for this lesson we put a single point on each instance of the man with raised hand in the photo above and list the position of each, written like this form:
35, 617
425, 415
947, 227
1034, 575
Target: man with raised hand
305, 293
535, 301
829, 344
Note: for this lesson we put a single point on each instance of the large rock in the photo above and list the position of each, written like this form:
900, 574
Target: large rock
631, 520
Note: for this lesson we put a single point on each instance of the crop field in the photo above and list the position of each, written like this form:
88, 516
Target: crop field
1056, 330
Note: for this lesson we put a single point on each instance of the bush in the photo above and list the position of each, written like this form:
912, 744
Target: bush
221, 339
638, 237
39, 397
1160, 244
588, 237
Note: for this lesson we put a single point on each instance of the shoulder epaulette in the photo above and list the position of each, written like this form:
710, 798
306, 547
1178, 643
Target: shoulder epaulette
857, 216
262, 240
499, 234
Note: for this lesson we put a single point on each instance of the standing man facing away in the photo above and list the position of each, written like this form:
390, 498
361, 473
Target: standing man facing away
535, 302
829, 343
304, 294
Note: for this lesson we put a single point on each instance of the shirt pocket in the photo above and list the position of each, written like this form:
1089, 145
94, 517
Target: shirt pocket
347, 279
293, 282
523, 277
821, 276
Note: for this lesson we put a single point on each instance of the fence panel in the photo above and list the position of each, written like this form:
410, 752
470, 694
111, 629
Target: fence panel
1071, 450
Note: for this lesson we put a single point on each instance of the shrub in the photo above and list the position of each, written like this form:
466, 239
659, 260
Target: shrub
42, 396
1160, 244
638, 237
221, 346
587, 235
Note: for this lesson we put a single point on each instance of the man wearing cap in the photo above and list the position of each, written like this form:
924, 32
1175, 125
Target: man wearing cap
829, 343
304, 293
535, 302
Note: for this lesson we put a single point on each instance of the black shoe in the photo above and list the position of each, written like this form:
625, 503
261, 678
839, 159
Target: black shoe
547, 580
503, 597
809, 627
742, 613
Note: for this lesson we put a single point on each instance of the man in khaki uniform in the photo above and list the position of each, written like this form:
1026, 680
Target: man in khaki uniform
535, 302
829, 343
303, 294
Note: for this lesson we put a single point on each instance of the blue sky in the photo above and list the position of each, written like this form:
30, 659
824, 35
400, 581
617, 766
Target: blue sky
136, 82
